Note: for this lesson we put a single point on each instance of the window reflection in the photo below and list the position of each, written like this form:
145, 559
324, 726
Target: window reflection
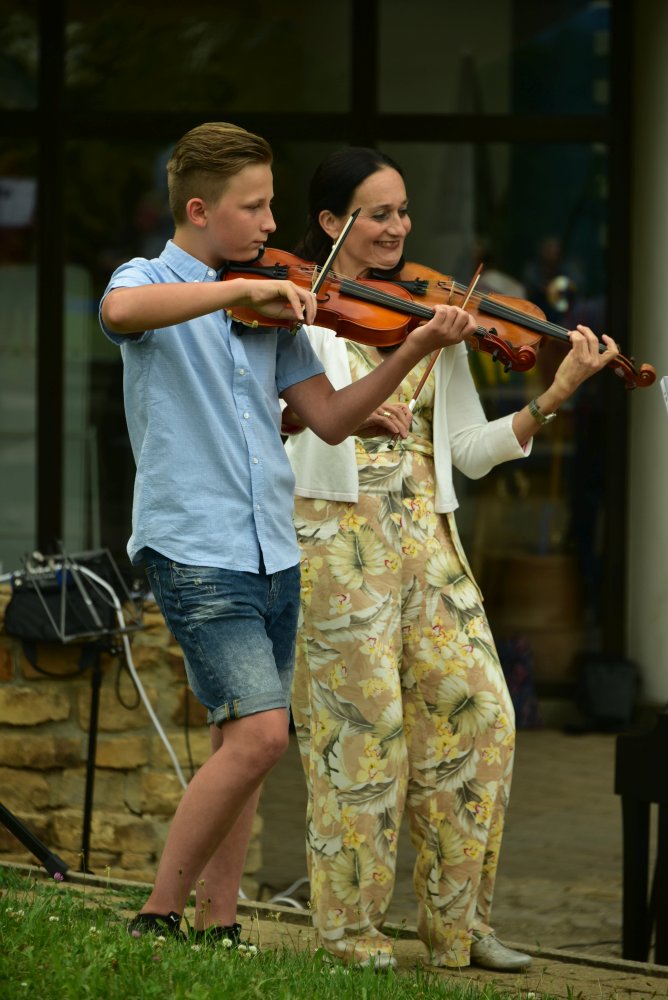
19, 55
252, 56
18, 323
535, 212
535, 215
494, 57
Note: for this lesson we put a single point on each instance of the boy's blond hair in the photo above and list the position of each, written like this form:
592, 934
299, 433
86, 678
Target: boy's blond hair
204, 160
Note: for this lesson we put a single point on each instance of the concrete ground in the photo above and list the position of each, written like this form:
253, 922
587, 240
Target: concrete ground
559, 889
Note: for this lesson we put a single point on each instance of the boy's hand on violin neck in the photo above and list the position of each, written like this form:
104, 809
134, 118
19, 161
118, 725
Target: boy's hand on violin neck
279, 299
449, 325
584, 359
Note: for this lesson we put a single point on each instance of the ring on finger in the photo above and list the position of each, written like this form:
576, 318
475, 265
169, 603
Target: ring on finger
386, 413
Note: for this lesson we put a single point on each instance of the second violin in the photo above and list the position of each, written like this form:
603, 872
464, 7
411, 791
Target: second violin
519, 326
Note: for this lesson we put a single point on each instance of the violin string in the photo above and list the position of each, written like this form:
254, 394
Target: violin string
502, 311
363, 292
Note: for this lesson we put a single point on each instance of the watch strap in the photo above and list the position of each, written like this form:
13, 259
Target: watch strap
538, 415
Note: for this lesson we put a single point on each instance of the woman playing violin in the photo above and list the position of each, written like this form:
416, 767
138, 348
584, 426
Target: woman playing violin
399, 699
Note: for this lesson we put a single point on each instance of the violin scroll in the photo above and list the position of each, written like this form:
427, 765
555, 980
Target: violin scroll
634, 378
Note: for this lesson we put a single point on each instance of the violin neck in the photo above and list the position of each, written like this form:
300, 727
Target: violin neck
364, 293
490, 307
279, 272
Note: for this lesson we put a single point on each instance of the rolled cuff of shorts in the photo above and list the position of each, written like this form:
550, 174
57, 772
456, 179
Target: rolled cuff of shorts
241, 707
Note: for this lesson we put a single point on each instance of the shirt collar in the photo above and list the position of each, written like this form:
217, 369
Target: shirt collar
187, 268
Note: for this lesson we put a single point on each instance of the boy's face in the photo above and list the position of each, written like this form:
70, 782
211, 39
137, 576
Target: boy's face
241, 221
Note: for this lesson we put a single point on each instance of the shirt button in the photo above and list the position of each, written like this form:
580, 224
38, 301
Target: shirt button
255, 460
242, 371
257, 506
246, 415
210, 273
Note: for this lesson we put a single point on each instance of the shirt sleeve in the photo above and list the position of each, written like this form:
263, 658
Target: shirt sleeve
133, 274
295, 359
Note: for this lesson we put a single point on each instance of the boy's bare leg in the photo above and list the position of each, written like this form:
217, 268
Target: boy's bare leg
217, 889
213, 803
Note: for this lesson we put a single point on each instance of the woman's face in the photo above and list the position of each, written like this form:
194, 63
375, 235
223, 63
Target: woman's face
376, 239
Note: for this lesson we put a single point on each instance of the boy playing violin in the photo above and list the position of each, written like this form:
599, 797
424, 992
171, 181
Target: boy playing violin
213, 496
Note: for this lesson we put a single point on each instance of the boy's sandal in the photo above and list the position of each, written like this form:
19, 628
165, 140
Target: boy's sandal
156, 923
230, 936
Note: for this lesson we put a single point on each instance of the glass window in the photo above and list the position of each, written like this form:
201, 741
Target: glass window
493, 57
536, 213
117, 208
222, 58
18, 324
536, 216
19, 55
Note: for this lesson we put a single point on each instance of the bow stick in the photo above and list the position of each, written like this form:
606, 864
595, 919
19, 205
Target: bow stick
319, 279
435, 356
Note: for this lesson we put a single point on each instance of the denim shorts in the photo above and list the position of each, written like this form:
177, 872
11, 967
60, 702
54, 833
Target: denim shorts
237, 632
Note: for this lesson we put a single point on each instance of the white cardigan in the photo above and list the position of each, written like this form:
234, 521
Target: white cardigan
463, 436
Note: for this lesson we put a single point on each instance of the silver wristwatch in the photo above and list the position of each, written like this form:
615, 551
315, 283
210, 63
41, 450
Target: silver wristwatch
538, 415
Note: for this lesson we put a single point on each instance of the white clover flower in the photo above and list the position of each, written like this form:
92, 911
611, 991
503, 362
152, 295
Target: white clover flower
195, 947
252, 949
54, 920
226, 943
93, 930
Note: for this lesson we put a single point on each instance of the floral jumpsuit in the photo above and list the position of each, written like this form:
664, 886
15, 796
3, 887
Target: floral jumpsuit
399, 703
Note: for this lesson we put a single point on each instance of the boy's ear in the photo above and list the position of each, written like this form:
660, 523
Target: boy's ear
196, 211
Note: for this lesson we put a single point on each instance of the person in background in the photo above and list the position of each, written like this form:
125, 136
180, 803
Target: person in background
399, 699
213, 496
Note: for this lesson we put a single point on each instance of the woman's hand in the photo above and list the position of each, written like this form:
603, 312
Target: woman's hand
583, 360
290, 423
390, 419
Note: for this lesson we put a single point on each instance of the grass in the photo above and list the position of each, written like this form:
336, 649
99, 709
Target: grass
59, 942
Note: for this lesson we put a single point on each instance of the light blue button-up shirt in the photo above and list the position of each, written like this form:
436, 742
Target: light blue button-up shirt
213, 485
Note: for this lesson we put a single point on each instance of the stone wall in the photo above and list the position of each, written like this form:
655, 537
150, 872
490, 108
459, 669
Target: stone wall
44, 726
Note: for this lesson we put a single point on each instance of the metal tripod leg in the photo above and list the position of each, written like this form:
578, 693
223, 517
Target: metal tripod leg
53, 864
94, 655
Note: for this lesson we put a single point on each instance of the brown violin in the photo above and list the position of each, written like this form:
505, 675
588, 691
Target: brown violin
519, 325
367, 311
381, 313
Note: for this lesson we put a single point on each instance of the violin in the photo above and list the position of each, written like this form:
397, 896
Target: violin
518, 324
375, 313
381, 311
367, 311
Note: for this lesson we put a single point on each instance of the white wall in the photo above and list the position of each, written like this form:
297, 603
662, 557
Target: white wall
647, 606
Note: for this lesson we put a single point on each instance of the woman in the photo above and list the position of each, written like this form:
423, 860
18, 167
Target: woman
399, 699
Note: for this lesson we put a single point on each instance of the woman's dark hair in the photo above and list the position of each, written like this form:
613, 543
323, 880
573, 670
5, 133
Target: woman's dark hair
332, 188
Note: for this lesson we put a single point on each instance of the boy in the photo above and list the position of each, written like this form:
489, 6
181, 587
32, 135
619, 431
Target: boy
213, 498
